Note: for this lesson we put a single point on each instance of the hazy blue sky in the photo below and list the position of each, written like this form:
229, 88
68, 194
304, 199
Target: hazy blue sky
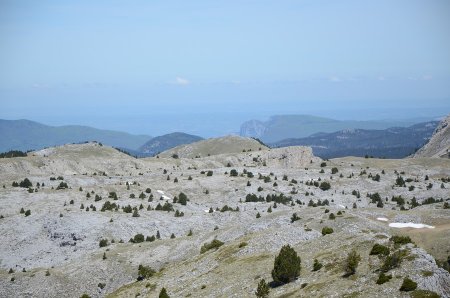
205, 66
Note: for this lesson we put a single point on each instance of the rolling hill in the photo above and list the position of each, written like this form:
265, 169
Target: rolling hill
29, 135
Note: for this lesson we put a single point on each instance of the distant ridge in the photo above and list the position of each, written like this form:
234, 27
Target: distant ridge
167, 141
394, 142
282, 127
29, 135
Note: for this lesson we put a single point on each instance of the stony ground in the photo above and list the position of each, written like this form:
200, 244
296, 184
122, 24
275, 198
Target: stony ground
55, 252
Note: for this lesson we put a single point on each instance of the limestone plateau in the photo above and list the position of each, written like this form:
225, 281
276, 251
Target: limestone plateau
226, 217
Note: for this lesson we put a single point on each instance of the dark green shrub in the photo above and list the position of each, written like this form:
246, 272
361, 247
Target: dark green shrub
163, 293
263, 289
182, 199
138, 238
327, 230
145, 271
400, 240
233, 173
317, 265
28, 212
351, 263
382, 278
25, 183
215, 244
103, 242
408, 285
294, 217
287, 265
334, 170
324, 185
331, 216
392, 261
379, 249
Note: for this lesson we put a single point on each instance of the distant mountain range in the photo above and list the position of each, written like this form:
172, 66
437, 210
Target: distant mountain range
165, 142
281, 127
29, 135
394, 142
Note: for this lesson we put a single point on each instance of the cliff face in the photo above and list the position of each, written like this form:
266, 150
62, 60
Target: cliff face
439, 144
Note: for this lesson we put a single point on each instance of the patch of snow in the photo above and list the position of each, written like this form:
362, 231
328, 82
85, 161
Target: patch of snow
160, 192
382, 218
409, 225
342, 206
165, 197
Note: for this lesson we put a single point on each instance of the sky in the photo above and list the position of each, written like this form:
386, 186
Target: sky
204, 67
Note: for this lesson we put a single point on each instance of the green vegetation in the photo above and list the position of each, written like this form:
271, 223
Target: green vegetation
325, 185
379, 249
13, 153
383, 278
327, 230
215, 244
163, 293
392, 261
400, 240
317, 265
138, 238
145, 271
294, 217
408, 285
263, 289
287, 266
103, 242
351, 263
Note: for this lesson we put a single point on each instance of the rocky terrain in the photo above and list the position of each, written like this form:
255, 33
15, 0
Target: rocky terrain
439, 144
81, 219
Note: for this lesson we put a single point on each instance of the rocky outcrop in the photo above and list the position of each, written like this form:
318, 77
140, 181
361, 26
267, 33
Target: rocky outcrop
439, 144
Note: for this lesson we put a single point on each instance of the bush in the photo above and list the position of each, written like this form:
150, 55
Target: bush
324, 185
379, 249
103, 243
332, 216
145, 271
327, 230
287, 266
317, 265
233, 173
392, 261
26, 183
294, 217
382, 278
62, 185
408, 285
182, 199
400, 240
215, 244
138, 238
163, 293
334, 170
351, 263
263, 289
